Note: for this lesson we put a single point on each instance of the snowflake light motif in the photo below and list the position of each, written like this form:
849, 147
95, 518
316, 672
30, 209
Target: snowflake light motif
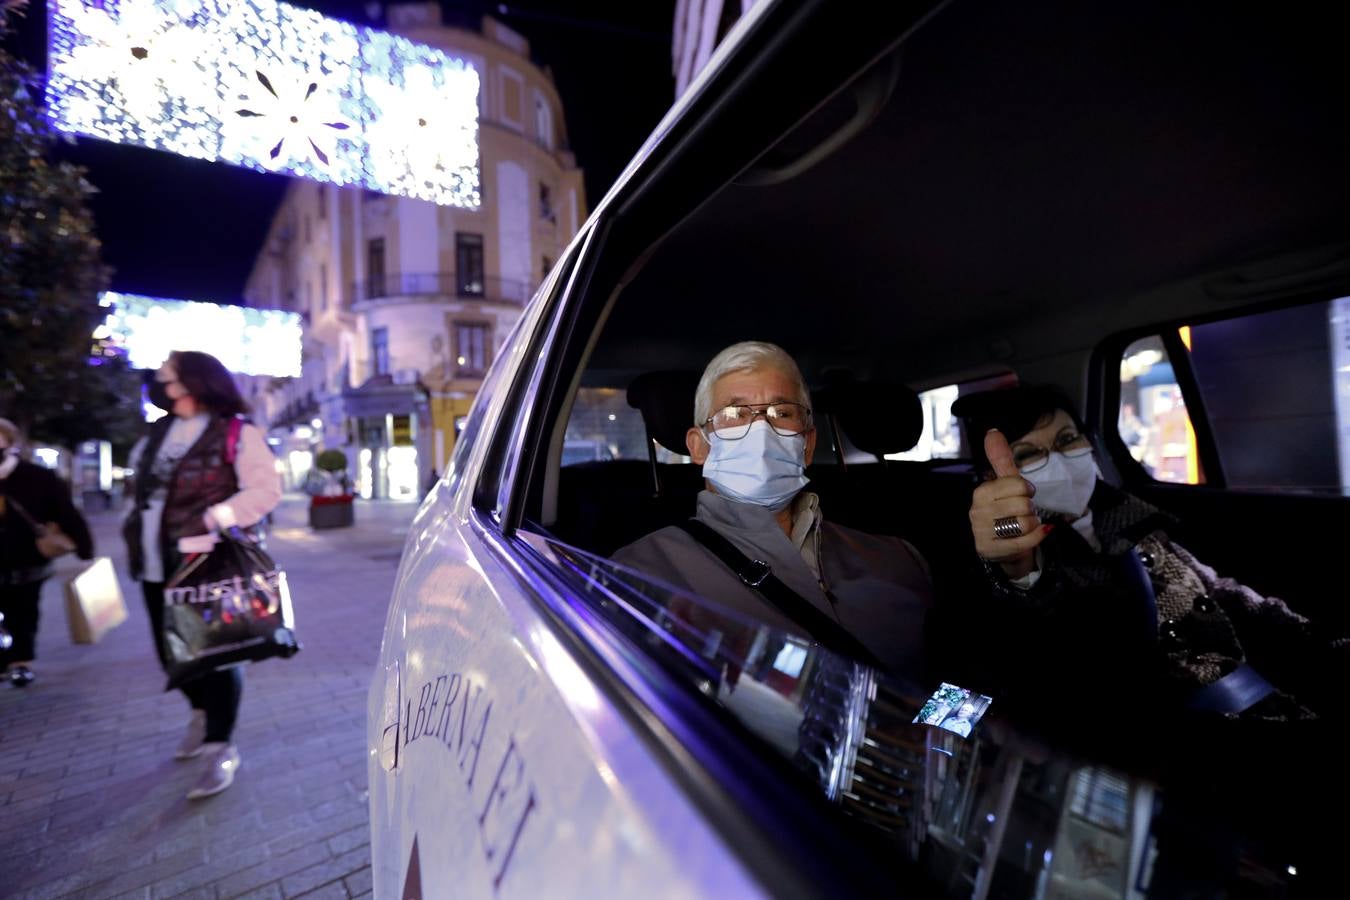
426, 145
268, 86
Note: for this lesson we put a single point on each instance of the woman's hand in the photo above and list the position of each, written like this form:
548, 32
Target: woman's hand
1007, 496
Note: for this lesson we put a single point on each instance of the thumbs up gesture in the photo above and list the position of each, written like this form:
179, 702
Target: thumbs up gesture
1005, 499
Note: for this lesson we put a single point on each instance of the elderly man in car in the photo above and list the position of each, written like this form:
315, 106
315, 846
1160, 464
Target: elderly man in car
759, 543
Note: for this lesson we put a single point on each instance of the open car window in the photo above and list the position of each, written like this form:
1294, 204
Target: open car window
946, 807
1066, 792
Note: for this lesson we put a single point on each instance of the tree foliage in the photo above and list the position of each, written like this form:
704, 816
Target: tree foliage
51, 274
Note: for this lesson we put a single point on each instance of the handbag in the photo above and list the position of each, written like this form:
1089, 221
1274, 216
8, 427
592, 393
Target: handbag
228, 606
94, 604
51, 540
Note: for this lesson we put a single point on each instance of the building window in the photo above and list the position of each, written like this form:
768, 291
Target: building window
323, 202
323, 287
546, 210
543, 121
309, 297
547, 267
379, 349
471, 348
309, 232
469, 264
375, 268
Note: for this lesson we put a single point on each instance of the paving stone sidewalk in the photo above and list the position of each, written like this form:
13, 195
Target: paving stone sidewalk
92, 803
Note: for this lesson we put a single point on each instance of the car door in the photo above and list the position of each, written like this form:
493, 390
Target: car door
1237, 426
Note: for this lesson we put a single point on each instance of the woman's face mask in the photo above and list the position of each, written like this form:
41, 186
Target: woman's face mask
764, 468
1065, 483
158, 394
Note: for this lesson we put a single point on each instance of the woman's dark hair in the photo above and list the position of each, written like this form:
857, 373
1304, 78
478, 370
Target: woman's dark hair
1013, 411
209, 382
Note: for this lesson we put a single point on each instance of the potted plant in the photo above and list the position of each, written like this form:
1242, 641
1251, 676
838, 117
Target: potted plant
330, 491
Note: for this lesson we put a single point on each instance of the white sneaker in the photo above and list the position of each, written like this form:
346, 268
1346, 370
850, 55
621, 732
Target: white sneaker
219, 773
191, 745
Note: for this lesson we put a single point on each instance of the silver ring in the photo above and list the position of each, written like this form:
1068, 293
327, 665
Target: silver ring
1007, 528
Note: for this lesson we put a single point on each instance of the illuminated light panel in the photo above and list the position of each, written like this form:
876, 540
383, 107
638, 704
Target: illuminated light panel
246, 340
270, 87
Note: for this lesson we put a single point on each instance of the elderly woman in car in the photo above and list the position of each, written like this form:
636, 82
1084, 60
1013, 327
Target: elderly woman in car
1088, 584
759, 543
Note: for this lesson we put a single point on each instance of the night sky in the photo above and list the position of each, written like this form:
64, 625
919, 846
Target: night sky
175, 227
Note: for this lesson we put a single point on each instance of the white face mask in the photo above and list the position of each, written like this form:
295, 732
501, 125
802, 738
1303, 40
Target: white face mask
764, 467
1065, 483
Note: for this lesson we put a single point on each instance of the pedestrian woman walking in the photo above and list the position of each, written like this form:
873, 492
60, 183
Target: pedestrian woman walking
201, 470
32, 500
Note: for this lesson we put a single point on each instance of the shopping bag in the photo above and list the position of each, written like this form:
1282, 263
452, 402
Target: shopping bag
229, 606
94, 604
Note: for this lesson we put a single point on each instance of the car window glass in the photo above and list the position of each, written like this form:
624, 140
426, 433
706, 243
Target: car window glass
1153, 421
1276, 393
941, 437
995, 805
604, 427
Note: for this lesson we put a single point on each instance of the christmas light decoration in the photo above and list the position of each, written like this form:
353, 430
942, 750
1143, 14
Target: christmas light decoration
246, 340
271, 87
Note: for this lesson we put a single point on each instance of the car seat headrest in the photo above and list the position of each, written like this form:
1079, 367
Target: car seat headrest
666, 401
879, 417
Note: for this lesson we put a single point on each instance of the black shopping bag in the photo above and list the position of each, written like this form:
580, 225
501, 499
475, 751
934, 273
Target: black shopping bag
228, 606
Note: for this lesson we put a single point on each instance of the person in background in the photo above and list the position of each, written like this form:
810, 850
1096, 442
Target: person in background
186, 491
31, 497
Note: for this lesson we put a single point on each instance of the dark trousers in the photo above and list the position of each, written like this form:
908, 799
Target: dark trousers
217, 693
19, 604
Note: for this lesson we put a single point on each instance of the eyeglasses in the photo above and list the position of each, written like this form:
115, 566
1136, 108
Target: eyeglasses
731, 423
1071, 444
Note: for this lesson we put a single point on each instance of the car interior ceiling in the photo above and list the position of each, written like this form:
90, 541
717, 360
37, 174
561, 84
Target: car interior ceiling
1040, 177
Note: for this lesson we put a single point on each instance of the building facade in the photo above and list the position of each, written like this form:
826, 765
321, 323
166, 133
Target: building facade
699, 27
405, 303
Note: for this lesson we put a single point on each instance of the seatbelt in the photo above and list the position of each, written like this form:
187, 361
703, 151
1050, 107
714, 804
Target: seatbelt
1137, 576
757, 575
232, 439
1235, 692
1239, 690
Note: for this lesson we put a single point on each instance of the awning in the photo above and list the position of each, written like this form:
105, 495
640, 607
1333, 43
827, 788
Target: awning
379, 397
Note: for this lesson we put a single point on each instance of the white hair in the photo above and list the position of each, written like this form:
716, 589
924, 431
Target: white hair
747, 356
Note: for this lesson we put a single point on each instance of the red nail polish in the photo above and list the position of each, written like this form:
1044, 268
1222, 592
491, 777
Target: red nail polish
1047, 528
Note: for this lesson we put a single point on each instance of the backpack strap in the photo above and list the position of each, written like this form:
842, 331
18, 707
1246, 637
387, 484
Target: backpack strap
232, 439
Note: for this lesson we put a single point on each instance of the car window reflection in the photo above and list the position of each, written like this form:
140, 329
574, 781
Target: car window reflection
1007, 810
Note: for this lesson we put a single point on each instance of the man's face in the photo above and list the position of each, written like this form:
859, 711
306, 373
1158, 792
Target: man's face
752, 387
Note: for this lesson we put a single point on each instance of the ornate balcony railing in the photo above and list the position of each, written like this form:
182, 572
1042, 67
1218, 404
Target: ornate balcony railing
442, 284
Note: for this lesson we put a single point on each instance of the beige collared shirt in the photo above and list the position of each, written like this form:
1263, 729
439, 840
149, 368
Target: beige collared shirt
806, 530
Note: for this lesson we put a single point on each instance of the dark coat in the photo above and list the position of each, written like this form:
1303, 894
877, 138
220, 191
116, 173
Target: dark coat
46, 497
1088, 619
878, 587
203, 478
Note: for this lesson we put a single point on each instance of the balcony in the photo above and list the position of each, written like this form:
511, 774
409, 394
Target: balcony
440, 284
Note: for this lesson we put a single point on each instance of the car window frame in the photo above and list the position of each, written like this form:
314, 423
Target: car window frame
497, 460
1103, 413
1105, 389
